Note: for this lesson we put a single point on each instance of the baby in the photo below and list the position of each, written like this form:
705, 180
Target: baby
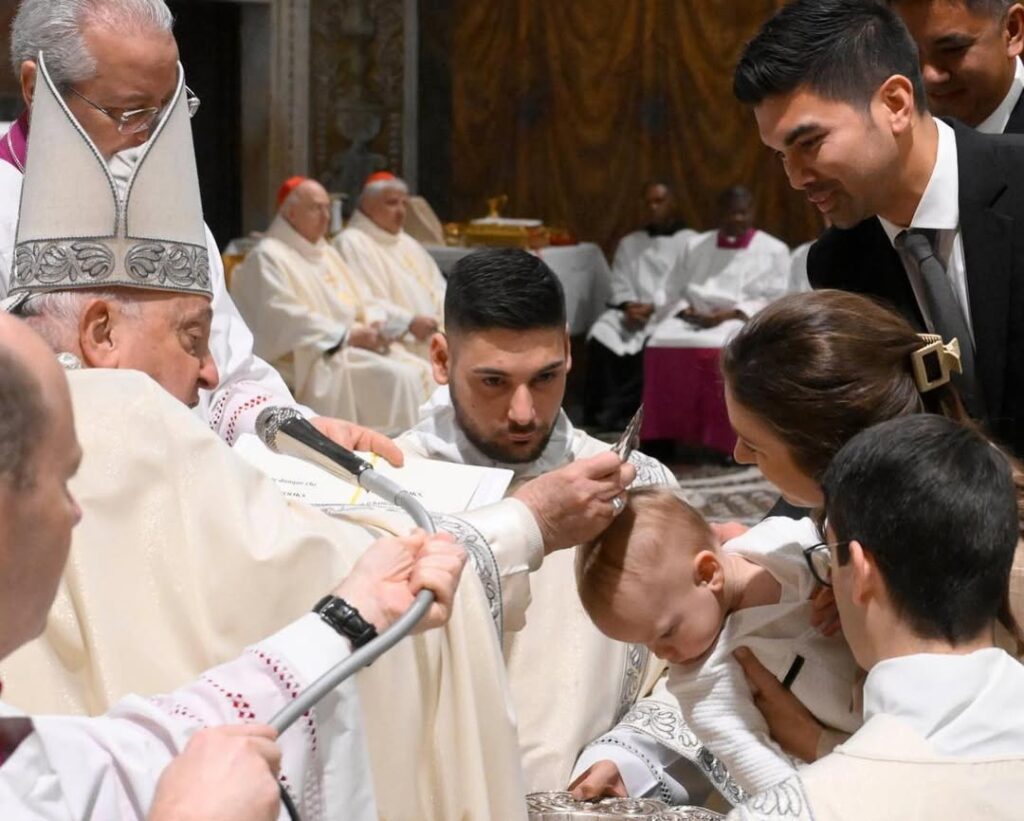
659, 577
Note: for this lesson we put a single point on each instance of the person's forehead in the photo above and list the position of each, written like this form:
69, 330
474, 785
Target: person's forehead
507, 348
781, 118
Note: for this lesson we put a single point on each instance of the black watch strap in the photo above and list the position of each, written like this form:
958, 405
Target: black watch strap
345, 620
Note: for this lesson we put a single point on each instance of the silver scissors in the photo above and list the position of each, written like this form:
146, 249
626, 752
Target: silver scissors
630, 439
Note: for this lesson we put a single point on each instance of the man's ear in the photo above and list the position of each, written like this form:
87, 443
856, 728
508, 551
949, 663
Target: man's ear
28, 81
96, 335
864, 576
707, 571
568, 350
896, 95
440, 362
1014, 31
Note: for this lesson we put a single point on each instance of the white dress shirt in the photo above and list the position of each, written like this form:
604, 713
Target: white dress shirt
964, 705
997, 121
939, 210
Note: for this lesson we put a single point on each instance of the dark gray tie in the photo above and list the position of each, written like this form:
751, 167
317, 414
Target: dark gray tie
944, 310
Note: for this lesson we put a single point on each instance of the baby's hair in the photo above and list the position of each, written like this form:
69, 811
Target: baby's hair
635, 543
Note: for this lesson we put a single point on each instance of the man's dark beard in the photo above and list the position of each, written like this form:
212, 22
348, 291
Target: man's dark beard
492, 450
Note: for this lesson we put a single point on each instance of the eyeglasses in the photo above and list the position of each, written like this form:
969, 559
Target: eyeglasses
819, 560
137, 120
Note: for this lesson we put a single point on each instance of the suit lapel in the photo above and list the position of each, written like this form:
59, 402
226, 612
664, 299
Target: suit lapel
988, 256
1015, 125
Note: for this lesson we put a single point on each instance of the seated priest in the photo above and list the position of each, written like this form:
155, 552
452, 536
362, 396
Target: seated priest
503, 361
392, 265
184, 536
119, 97
315, 321
198, 751
646, 274
729, 275
922, 526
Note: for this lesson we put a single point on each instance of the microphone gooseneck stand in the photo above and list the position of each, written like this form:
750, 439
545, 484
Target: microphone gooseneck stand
315, 447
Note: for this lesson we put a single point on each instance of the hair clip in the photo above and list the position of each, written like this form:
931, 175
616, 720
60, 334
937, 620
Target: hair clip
935, 361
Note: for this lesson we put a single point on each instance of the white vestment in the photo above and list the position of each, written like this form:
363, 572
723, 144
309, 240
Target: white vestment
798, 281
569, 682
394, 268
943, 738
646, 269
716, 278
247, 383
73, 768
186, 554
299, 300
713, 693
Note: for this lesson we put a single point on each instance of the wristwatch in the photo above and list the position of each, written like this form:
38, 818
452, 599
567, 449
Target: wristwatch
345, 620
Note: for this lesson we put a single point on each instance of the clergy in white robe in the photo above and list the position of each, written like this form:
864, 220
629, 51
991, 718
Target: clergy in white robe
313, 319
186, 554
503, 361
392, 265
730, 274
247, 383
646, 274
943, 733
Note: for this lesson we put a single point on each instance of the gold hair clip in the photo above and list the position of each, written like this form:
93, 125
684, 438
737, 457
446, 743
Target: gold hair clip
935, 361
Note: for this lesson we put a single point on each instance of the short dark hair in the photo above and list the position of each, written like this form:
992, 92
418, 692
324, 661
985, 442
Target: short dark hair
503, 288
842, 50
935, 504
22, 420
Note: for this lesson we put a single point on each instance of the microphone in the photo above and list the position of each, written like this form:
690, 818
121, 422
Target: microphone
285, 431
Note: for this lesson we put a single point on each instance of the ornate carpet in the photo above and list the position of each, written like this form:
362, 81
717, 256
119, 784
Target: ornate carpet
727, 494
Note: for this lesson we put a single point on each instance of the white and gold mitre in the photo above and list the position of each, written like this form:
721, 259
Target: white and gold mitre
75, 231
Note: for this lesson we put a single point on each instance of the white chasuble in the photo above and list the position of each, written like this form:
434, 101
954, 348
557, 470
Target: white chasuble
719, 278
73, 768
300, 299
394, 268
570, 683
648, 269
186, 554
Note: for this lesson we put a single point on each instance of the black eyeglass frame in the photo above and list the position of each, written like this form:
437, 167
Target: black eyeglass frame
828, 546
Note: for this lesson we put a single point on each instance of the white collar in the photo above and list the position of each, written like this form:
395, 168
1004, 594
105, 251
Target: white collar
996, 122
939, 207
363, 223
281, 230
961, 703
442, 437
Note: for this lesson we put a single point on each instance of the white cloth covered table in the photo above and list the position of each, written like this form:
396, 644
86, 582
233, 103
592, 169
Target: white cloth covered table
582, 270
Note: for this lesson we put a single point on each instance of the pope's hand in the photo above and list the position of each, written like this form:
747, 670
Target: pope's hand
574, 504
367, 337
387, 577
355, 437
600, 780
228, 773
423, 327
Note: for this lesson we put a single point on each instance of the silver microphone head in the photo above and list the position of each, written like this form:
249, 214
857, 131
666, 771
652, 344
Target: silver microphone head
269, 422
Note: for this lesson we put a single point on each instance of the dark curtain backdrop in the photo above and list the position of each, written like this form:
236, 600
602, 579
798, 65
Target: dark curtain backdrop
569, 105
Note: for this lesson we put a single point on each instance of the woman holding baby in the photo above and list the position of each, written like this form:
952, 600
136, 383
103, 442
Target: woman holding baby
802, 378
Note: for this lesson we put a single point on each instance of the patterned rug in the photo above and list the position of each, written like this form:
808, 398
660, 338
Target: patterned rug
727, 494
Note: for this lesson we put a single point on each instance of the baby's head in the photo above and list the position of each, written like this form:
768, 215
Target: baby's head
655, 577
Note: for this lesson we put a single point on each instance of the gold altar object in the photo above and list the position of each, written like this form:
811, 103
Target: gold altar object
496, 231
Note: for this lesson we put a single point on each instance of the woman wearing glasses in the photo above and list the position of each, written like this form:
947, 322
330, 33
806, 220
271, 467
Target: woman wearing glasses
803, 378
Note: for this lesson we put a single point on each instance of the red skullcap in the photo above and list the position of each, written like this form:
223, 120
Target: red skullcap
287, 187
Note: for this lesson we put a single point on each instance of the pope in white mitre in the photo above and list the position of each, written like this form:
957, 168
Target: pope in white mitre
318, 324
391, 264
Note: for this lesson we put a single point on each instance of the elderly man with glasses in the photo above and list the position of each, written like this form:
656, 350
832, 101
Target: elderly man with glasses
115, 62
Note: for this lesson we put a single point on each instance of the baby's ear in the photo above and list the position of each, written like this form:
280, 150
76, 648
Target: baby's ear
707, 570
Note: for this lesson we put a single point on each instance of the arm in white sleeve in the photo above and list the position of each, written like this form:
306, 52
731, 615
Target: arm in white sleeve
247, 383
623, 285
113, 762
506, 546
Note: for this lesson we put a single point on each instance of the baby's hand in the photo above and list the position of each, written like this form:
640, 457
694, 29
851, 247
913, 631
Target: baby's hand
599, 781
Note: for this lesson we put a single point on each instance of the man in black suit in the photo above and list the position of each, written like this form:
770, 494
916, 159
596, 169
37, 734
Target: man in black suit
970, 59
837, 92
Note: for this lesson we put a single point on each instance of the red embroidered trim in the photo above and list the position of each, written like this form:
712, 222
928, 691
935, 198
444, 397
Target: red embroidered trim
248, 405
243, 709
